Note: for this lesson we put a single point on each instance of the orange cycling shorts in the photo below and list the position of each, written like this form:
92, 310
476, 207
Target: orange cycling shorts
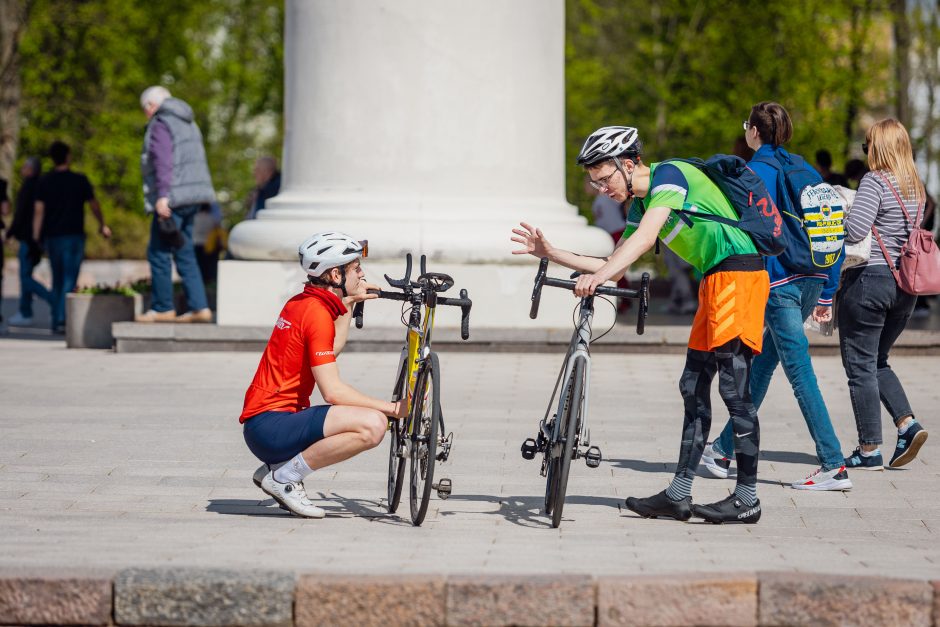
730, 305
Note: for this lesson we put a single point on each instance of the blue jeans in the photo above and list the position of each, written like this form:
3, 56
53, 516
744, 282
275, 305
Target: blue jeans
785, 343
161, 256
873, 312
28, 285
65, 256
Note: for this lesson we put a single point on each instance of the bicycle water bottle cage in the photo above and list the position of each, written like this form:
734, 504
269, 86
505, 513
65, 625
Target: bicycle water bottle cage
592, 457
436, 281
529, 449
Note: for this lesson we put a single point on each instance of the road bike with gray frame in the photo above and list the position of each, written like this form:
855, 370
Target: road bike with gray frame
565, 436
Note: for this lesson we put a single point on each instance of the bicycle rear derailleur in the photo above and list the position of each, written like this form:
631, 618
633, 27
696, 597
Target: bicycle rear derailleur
443, 451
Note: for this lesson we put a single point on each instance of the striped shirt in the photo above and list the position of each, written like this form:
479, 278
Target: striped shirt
876, 205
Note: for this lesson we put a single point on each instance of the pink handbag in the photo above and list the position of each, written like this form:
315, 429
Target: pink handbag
918, 271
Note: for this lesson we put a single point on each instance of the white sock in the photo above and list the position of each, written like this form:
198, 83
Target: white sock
869, 453
294, 471
909, 425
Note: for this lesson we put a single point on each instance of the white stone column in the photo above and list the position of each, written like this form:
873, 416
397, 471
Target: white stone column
430, 126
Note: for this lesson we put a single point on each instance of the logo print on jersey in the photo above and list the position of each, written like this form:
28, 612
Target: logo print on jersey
282, 323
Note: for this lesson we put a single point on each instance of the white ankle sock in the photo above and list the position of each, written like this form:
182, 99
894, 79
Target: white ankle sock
869, 453
294, 471
909, 425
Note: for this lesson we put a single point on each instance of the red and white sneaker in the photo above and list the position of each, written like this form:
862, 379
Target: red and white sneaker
715, 463
835, 479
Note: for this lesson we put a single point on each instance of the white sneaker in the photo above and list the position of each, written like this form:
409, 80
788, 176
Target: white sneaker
292, 496
835, 479
717, 465
18, 320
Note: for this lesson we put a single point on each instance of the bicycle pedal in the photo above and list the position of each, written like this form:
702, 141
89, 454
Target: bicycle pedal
443, 488
529, 449
592, 457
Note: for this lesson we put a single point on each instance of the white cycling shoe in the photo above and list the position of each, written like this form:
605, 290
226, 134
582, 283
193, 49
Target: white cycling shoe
292, 496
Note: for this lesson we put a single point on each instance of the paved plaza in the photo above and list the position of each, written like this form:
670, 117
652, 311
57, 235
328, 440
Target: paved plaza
110, 461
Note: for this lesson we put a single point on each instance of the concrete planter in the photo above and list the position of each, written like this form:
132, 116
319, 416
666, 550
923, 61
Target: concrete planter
88, 318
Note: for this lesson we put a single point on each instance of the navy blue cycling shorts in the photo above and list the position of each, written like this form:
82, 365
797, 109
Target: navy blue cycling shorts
276, 436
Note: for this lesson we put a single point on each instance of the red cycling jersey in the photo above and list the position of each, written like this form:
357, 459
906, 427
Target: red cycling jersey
302, 338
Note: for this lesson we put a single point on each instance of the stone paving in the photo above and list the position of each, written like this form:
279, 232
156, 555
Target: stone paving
110, 461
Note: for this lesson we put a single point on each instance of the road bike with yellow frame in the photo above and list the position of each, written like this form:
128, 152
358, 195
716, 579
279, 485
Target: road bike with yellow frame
419, 437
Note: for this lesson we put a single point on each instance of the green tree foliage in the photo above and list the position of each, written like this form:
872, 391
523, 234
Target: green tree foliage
84, 64
686, 73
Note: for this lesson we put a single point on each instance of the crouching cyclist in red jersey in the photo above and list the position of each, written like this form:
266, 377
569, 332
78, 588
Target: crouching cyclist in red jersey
281, 428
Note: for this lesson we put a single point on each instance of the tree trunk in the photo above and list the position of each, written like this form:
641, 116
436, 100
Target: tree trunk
902, 61
13, 15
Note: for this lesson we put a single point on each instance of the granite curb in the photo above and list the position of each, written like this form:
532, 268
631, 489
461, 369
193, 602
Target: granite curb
136, 337
205, 597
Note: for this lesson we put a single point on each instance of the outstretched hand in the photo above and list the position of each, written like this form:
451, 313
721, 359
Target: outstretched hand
533, 241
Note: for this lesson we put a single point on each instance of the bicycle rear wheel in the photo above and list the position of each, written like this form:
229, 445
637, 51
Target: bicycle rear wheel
568, 428
396, 466
396, 459
426, 417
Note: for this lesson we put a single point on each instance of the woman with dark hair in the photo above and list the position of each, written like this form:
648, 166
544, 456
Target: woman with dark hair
793, 298
873, 310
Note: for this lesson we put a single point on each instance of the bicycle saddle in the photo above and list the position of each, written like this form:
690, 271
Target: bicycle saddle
437, 281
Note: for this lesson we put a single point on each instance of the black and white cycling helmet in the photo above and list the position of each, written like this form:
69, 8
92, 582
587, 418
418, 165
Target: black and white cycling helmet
330, 249
609, 142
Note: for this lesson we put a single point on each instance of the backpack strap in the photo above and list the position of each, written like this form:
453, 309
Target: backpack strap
897, 197
684, 216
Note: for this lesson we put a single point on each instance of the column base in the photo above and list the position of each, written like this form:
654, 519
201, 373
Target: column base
252, 293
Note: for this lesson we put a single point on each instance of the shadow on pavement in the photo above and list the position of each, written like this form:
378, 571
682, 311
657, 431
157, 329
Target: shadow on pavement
789, 457
526, 511
335, 505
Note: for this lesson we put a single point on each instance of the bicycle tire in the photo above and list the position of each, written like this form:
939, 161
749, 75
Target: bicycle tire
570, 422
426, 415
396, 462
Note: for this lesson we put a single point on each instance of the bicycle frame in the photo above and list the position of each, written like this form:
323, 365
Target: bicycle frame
578, 347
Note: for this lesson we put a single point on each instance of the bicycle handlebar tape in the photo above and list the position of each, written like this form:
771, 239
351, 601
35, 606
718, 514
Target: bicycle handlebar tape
644, 303
465, 316
537, 289
357, 313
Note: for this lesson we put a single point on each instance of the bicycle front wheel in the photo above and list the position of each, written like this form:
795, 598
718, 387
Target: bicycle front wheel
426, 416
569, 420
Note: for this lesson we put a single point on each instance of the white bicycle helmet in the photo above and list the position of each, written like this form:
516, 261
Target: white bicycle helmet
330, 249
609, 142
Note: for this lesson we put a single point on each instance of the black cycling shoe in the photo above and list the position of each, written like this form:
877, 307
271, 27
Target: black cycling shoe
661, 505
731, 509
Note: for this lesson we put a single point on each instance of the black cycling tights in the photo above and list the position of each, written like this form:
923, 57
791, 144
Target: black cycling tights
732, 362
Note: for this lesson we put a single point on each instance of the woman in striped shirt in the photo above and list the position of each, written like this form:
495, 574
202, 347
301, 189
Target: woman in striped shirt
872, 309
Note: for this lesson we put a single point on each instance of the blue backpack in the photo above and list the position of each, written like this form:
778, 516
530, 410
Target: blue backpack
757, 214
813, 214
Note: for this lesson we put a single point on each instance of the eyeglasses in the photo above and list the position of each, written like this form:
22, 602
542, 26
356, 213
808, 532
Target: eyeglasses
603, 183
746, 125
865, 149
